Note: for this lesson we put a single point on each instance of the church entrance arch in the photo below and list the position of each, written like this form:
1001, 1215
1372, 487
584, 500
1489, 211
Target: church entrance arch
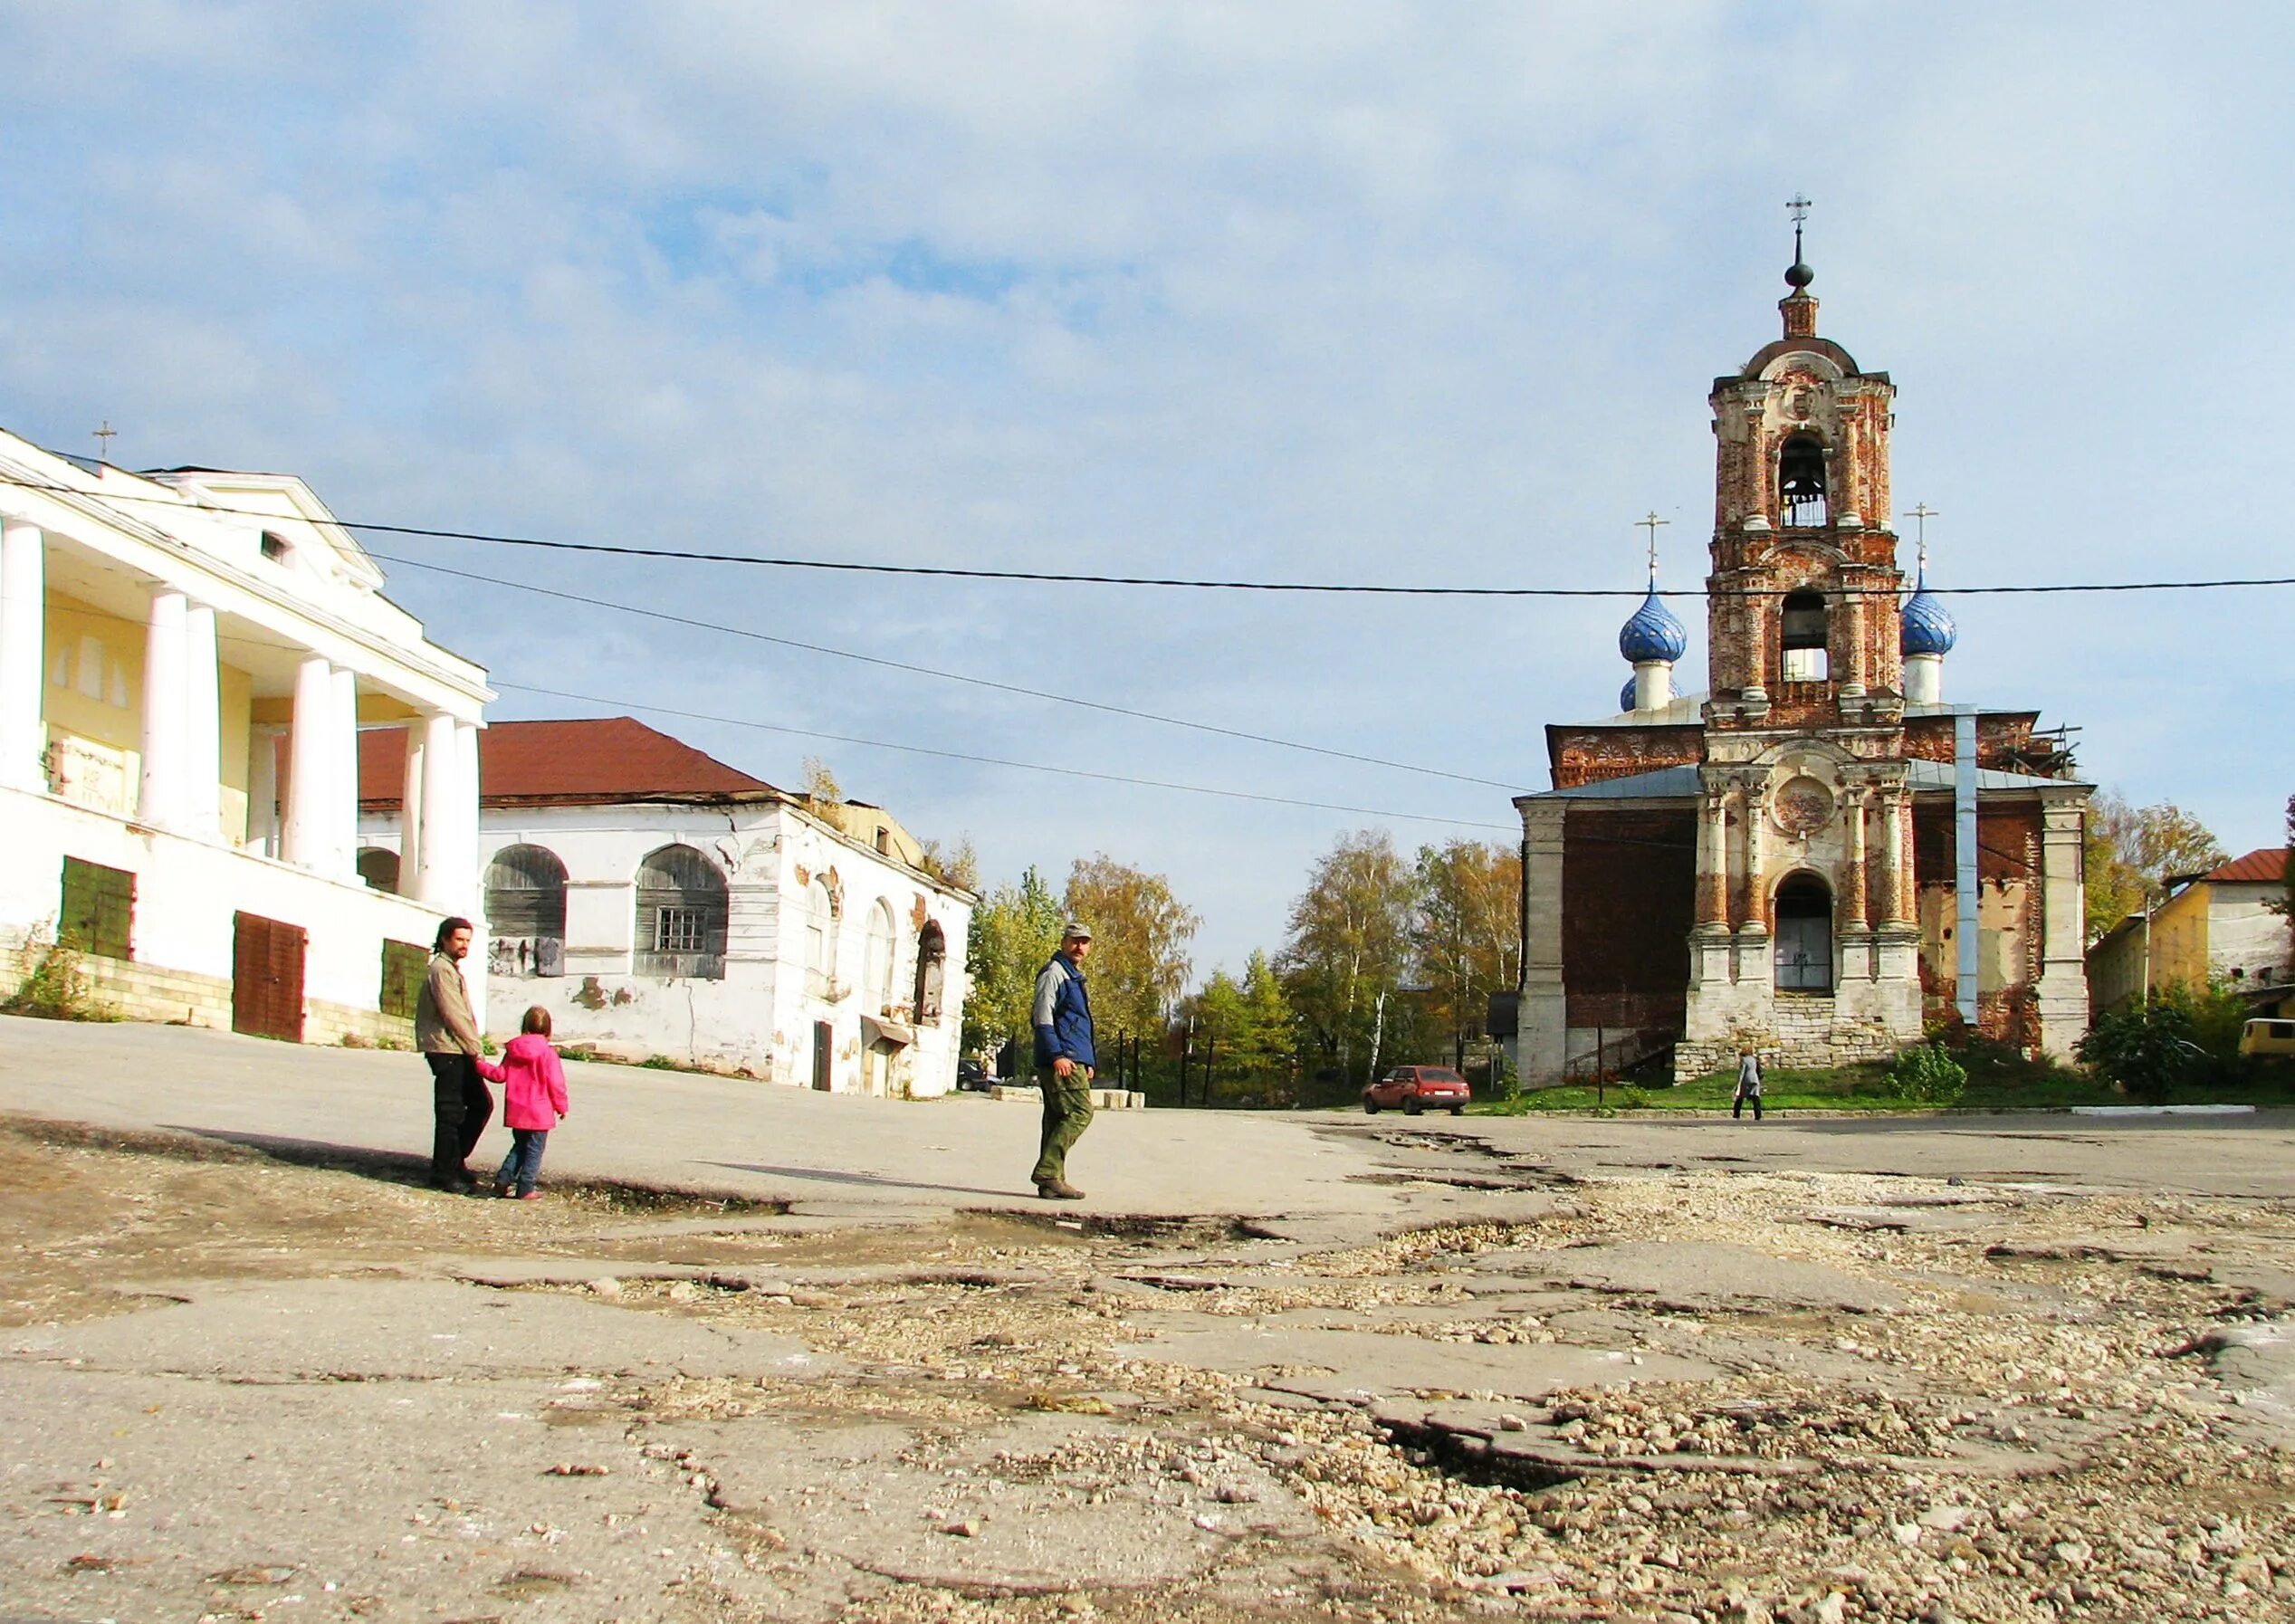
1804, 935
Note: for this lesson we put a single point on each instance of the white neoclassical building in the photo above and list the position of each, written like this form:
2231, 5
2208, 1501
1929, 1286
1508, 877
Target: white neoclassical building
186, 659
657, 901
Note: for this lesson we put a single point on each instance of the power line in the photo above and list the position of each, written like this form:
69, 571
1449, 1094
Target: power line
951, 676
1336, 589
951, 755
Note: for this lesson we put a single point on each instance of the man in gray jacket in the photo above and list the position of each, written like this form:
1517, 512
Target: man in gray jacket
447, 1035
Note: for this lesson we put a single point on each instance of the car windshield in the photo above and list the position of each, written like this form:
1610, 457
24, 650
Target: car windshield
1437, 1074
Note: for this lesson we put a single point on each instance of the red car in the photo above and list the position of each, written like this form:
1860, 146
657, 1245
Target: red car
1416, 1088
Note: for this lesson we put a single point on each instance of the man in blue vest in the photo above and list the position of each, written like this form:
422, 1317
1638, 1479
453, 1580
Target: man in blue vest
1063, 1059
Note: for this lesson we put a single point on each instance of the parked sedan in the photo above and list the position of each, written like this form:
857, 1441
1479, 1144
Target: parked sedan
1415, 1088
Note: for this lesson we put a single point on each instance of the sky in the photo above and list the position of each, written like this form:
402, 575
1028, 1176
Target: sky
1378, 293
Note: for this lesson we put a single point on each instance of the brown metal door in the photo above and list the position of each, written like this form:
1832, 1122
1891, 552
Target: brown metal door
266, 977
823, 1038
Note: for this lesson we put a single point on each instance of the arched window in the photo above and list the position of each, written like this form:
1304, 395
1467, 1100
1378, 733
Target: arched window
820, 938
681, 916
1802, 623
1804, 935
526, 912
379, 868
932, 969
876, 974
1801, 482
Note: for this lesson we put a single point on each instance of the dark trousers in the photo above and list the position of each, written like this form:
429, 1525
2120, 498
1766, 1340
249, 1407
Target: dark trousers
1737, 1107
523, 1165
460, 1109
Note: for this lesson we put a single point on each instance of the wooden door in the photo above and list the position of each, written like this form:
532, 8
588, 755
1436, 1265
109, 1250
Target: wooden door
823, 1038
266, 977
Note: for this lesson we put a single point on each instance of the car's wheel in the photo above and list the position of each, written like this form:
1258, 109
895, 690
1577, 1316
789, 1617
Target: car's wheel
1457, 1111
1370, 1107
1410, 1107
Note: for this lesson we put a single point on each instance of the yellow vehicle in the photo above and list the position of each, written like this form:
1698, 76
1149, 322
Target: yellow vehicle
2267, 1037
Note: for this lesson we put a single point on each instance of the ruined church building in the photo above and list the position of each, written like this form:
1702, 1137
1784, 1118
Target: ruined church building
1819, 854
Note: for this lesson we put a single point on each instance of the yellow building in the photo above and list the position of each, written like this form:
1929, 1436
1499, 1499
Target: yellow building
2217, 927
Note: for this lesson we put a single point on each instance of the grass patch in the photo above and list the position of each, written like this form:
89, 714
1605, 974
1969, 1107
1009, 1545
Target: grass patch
1998, 1080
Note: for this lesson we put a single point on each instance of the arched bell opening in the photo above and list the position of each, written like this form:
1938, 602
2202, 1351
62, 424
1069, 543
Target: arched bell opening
1804, 636
1804, 934
1801, 482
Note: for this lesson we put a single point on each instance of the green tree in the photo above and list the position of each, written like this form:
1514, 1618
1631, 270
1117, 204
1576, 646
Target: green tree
1467, 934
1139, 963
2134, 851
1014, 931
1349, 953
1244, 1030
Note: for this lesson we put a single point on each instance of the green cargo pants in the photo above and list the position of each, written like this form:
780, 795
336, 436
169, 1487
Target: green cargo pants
1067, 1112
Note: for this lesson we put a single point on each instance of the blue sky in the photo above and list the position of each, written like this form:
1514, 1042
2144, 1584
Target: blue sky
1384, 294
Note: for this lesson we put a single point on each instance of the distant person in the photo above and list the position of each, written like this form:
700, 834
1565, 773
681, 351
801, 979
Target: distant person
447, 1035
533, 1102
1063, 1059
1748, 1085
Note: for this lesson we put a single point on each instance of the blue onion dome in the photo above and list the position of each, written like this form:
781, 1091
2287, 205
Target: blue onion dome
1929, 628
1653, 633
1625, 695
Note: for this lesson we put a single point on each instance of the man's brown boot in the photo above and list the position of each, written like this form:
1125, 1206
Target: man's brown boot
1058, 1189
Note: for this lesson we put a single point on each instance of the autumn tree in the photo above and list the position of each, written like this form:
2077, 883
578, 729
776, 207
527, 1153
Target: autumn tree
1349, 951
1014, 931
1139, 963
821, 783
958, 865
2134, 851
1244, 1030
1465, 932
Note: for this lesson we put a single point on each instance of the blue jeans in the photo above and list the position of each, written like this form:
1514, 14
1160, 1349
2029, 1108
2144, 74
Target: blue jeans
525, 1159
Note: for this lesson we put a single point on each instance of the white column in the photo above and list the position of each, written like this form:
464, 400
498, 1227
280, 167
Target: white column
434, 865
202, 726
1542, 1044
262, 790
311, 763
466, 815
2063, 992
410, 812
160, 800
24, 614
342, 806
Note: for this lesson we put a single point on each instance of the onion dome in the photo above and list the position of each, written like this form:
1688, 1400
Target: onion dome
1928, 625
1653, 633
1625, 695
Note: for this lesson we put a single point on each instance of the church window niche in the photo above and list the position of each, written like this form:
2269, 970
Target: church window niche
1801, 482
1802, 626
1804, 935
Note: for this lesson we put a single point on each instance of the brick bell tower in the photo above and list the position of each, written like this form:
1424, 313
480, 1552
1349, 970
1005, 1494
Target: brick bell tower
1806, 928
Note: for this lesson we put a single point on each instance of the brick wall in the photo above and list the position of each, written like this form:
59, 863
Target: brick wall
1595, 755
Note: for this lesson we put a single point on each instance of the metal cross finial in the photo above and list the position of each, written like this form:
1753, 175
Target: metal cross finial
104, 436
1920, 515
1798, 207
1652, 524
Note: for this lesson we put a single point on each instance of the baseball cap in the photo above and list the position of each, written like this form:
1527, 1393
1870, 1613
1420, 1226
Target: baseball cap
1076, 930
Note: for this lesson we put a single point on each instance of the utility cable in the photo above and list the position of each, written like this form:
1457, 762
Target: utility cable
1061, 577
951, 755
952, 676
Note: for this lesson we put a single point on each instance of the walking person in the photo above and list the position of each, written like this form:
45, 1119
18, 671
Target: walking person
534, 1102
1063, 1059
1748, 1085
447, 1035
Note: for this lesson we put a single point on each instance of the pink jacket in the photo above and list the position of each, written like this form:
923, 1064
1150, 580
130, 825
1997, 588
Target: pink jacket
534, 1082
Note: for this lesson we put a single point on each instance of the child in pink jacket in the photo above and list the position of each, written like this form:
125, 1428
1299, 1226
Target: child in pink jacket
533, 1100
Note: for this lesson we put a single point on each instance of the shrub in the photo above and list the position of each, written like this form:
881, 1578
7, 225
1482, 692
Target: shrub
52, 981
1925, 1072
2147, 1050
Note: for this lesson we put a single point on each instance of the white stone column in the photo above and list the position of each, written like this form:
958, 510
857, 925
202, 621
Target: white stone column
342, 806
434, 881
410, 811
23, 617
161, 799
2063, 992
262, 790
466, 816
202, 726
1542, 1041
1754, 967
311, 764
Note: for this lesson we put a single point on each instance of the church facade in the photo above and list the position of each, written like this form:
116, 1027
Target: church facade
1818, 857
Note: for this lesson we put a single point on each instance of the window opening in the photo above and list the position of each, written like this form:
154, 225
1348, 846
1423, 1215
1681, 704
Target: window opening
274, 547
1802, 620
379, 868
1801, 482
98, 911
526, 912
403, 965
932, 969
878, 974
681, 916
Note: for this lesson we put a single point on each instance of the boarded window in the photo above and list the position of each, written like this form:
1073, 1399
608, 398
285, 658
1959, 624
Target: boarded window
681, 916
97, 913
403, 965
526, 912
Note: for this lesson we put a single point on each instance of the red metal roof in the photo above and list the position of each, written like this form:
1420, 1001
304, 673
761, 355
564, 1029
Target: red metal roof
592, 762
2267, 864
